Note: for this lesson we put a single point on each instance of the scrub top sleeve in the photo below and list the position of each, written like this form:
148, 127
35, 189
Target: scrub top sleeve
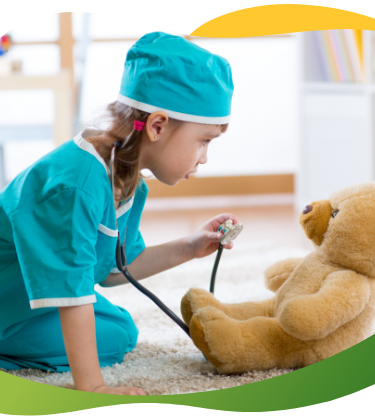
55, 243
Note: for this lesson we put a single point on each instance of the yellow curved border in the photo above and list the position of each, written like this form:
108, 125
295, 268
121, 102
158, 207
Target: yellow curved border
281, 18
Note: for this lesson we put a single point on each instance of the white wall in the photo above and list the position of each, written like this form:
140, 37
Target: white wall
262, 134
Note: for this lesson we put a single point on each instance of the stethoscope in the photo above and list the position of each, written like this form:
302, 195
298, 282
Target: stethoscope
230, 233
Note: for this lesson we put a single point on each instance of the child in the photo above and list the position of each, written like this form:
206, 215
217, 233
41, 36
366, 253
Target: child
58, 219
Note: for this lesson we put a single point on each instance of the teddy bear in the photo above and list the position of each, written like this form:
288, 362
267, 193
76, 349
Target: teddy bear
323, 303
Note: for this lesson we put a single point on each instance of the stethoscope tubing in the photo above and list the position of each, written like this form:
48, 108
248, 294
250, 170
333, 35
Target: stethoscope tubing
214, 270
120, 254
121, 265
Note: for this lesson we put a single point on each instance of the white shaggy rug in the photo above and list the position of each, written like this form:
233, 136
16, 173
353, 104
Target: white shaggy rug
165, 360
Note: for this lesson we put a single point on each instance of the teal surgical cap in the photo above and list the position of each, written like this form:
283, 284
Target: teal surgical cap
169, 73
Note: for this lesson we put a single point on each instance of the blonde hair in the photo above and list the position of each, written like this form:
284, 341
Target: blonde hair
119, 119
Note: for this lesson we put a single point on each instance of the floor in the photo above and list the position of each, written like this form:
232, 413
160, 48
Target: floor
278, 224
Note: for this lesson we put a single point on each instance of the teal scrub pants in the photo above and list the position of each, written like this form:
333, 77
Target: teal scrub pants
39, 343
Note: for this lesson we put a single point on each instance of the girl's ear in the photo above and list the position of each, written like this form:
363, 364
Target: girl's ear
156, 124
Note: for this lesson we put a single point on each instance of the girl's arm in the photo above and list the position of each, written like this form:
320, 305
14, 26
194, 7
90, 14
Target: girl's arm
78, 328
153, 260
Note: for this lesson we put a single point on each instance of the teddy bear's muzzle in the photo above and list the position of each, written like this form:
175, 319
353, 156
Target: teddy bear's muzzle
314, 220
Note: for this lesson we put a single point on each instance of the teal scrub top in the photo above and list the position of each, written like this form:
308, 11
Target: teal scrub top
58, 233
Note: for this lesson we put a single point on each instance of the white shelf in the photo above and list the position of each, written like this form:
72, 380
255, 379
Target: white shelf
336, 127
337, 87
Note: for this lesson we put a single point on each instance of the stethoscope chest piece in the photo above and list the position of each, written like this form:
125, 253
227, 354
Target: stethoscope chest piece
231, 231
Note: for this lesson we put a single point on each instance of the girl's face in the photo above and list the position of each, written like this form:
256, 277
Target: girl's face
175, 153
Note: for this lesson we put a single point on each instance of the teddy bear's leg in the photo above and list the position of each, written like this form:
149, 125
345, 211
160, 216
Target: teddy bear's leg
238, 346
196, 299
279, 272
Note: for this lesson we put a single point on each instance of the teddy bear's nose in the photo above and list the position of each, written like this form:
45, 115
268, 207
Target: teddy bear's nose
307, 209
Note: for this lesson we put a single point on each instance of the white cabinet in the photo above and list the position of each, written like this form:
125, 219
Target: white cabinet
336, 133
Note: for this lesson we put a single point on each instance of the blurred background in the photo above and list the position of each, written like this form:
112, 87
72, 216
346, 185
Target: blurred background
301, 126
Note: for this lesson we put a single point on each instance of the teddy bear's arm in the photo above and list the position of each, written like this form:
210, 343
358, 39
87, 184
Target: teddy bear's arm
279, 272
342, 297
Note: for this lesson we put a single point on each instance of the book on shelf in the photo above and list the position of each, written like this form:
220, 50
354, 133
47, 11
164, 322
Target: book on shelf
340, 54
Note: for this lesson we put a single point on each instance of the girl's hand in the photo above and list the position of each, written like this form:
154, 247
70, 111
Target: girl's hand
78, 328
119, 391
206, 239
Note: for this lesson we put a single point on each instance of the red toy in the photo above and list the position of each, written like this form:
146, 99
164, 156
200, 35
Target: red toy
5, 42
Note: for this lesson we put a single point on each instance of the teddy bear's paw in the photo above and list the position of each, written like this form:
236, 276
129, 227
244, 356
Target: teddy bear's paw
279, 272
197, 334
194, 300
217, 336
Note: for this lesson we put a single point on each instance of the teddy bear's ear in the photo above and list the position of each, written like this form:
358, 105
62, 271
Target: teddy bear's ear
314, 220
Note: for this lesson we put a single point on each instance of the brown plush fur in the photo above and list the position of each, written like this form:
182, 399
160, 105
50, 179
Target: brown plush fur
323, 304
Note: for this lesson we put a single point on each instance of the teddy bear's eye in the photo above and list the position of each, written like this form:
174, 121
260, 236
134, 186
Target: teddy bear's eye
334, 214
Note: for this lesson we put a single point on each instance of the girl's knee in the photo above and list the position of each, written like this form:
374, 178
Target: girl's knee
132, 332
115, 343
127, 324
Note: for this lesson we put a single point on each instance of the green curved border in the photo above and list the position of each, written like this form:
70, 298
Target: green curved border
322, 382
